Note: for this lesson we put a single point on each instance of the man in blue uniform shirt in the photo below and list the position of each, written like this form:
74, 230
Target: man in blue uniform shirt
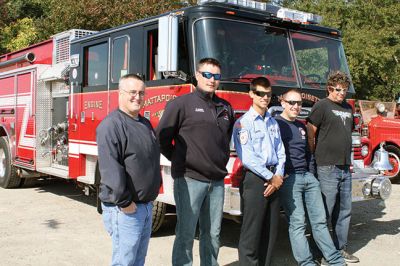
259, 146
300, 192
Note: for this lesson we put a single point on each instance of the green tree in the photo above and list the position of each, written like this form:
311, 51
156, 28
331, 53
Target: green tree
371, 36
19, 34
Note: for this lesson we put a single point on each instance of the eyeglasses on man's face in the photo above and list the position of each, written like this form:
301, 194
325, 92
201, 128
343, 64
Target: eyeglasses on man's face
209, 75
339, 90
133, 93
263, 93
293, 103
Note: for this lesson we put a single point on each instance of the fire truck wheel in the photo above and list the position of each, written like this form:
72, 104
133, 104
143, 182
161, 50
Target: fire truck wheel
8, 174
394, 158
159, 210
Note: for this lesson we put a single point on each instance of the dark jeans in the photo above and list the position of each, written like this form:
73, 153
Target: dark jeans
260, 222
202, 202
335, 184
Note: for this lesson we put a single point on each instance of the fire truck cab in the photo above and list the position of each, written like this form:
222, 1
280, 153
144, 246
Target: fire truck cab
55, 93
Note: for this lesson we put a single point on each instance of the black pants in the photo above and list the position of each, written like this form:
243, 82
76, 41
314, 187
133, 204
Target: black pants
260, 222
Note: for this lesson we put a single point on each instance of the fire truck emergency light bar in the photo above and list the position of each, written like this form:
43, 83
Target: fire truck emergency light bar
283, 13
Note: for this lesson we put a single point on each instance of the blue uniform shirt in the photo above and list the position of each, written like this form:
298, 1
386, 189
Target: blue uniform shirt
258, 143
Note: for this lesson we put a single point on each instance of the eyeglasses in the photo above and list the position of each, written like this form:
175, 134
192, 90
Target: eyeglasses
262, 93
344, 91
293, 103
209, 75
134, 93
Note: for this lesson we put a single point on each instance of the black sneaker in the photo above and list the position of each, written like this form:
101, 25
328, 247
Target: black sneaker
350, 258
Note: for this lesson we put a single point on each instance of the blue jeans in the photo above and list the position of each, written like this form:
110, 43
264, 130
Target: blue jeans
300, 193
336, 191
130, 233
202, 202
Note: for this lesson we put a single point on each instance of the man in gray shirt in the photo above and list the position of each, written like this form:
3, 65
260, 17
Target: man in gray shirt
129, 162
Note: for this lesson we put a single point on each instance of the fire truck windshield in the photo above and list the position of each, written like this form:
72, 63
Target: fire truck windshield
316, 56
248, 50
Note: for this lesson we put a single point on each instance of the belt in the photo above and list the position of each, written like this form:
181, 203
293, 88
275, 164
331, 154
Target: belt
271, 168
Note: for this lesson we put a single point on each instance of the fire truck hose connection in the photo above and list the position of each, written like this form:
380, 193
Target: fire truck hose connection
28, 57
379, 187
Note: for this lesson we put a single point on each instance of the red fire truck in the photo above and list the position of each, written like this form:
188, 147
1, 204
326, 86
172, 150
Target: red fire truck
55, 93
378, 123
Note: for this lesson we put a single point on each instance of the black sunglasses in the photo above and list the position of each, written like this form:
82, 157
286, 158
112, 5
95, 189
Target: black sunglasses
263, 93
344, 91
209, 75
293, 103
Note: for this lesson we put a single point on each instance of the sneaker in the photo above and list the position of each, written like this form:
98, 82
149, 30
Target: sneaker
350, 258
323, 262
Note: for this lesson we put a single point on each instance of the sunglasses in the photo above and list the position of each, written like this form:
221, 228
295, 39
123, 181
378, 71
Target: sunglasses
209, 75
293, 103
263, 93
344, 91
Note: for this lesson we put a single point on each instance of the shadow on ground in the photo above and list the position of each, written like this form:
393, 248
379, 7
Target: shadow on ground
60, 187
365, 226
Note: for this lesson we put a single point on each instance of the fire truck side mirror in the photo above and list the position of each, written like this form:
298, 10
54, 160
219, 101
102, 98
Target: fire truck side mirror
167, 43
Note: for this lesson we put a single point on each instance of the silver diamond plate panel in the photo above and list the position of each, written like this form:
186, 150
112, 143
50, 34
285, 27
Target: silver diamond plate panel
43, 122
91, 161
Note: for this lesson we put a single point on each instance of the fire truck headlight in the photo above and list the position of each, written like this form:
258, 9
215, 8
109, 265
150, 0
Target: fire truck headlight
364, 150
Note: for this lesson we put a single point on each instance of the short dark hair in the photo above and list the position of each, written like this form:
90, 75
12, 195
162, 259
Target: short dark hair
338, 78
130, 76
208, 61
260, 81
291, 90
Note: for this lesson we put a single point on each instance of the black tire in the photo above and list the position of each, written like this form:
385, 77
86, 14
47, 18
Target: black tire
8, 174
159, 210
394, 158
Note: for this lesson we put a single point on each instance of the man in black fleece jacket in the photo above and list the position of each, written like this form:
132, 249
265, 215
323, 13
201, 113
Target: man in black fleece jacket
194, 133
129, 163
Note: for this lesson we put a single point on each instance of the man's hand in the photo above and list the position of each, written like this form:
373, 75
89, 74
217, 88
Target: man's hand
130, 209
273, 185
269, 189
276, 181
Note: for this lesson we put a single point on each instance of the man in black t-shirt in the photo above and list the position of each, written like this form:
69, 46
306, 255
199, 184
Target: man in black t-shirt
329, 135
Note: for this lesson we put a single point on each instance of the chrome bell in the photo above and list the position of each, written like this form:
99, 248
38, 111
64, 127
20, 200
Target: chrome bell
381, 160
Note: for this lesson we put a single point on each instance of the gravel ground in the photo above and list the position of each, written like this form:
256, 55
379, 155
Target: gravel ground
53, 223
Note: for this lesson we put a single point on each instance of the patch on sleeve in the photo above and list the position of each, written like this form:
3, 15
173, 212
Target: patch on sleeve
243, 136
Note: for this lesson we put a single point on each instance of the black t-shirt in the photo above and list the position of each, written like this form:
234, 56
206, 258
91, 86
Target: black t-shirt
294, 137
334, 122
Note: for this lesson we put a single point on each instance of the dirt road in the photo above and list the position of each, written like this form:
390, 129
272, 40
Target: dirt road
53, 223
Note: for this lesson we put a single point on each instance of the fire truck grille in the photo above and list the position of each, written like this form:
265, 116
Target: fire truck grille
62, 47
62, 43
357, 153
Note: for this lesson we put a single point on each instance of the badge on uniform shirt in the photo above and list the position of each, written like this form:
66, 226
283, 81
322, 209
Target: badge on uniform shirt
243, 136
302, 132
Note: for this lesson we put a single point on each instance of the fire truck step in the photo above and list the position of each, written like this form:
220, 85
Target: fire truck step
54, 172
